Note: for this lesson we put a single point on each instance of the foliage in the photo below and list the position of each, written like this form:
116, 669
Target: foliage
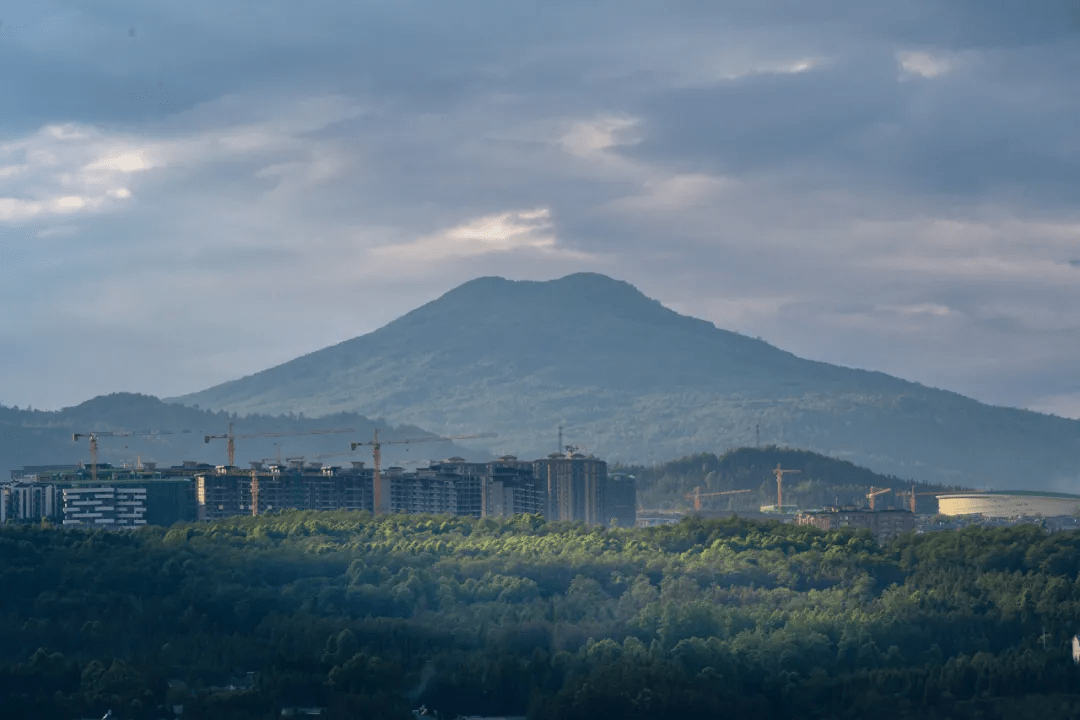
371, 616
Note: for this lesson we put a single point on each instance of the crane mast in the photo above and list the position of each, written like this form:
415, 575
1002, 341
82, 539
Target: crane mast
874, 492
381, 498
780, 473
93, 437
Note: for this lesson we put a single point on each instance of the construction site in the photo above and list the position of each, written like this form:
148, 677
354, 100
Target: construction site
565, 486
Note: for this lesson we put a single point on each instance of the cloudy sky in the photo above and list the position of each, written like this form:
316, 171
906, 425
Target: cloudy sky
191, 191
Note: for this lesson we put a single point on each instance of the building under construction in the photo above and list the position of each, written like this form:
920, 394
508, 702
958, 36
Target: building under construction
572, 488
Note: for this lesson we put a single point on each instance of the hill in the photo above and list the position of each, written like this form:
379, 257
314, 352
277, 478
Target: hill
34, 437
635, 382
820, 481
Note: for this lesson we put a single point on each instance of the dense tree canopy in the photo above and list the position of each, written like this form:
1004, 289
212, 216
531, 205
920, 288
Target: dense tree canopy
370, 617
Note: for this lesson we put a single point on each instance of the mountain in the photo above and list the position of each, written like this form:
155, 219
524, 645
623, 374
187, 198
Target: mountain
35, 437
636, 382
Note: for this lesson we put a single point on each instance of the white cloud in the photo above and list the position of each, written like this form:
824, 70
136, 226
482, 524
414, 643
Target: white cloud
67, 168
925, 64
594, 138
513, 231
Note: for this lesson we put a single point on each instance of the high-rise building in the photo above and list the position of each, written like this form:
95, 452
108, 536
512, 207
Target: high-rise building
29, 502
620, 500
512, 488
109, 507
575, 487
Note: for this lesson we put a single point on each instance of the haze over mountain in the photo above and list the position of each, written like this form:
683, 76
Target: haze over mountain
36, 437
633, 381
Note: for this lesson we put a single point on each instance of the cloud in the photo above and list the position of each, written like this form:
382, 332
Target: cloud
78, 168
923, 64
888, 185
529, 231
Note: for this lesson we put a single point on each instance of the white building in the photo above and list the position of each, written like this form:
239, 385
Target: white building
105, 507
1009, 504
28, 502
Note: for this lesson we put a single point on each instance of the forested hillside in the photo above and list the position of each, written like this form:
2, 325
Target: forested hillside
42, 437
819, 481
372, 617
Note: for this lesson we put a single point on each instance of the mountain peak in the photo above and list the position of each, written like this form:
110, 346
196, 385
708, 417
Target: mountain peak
632, 380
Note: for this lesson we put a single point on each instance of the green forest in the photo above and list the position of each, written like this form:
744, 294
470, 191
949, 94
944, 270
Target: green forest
373, 617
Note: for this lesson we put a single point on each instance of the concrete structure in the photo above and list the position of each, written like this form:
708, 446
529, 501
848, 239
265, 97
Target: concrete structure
575, 488
111, 507
227, 492
620, 500
505, 487
29, 502
511, 488
884, 524
1009, 504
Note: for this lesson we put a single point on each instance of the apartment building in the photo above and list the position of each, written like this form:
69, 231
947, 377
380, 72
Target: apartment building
111, 507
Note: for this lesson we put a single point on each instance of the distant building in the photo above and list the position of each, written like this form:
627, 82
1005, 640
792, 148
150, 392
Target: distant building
1009, 503
227, 492
575, 488
29, 502
884, 524
512, 488
110, 507
620, 500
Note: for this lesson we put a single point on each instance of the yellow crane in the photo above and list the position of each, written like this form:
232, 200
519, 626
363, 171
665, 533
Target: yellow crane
93, 436
231, 437
697, 495
874, 492
381, 498
780, 473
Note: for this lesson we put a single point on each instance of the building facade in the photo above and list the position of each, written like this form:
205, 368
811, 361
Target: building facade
109, 507
620, 500
884, 524
575, 487
29, 502
1009, 504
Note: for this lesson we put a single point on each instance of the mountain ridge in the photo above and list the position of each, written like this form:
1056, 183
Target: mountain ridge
635, 381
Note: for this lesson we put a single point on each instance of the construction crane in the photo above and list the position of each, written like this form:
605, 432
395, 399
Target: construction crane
874, 492
382, 499
910, 495
697, 495
109, 433
231, 445
780, 473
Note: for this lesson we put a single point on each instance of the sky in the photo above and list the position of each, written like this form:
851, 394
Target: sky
194, 191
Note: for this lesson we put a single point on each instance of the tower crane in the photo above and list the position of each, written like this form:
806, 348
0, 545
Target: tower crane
231, 438
382, 498
93, 436
874, 492
780, 473
910, 495
697, 495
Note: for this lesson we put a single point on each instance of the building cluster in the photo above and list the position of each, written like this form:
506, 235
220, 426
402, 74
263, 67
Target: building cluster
571, 488
884, 524
560, 487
